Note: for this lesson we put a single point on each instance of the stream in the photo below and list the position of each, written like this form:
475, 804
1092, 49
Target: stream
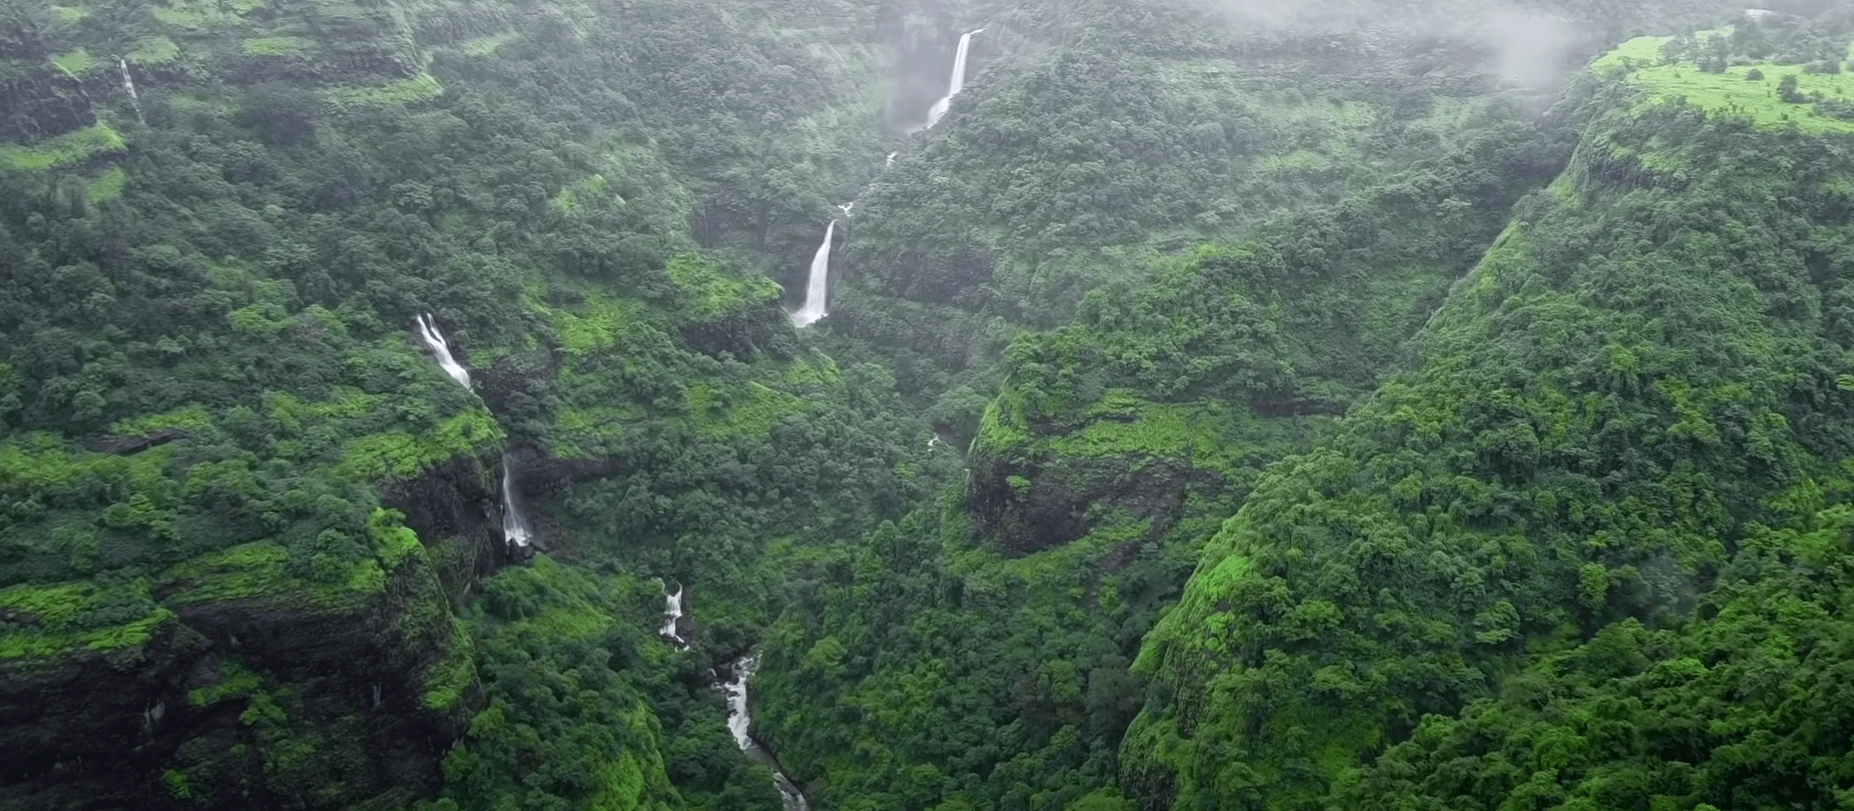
740, 722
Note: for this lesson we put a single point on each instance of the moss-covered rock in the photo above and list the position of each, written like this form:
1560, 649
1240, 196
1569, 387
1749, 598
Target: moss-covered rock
239, 682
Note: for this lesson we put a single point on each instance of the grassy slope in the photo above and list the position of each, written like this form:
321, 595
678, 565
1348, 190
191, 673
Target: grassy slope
1730, 92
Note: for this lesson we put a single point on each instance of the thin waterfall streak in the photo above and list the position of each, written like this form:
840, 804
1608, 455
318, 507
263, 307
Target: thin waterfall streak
128, 84
817, 288
958, 82
514, 527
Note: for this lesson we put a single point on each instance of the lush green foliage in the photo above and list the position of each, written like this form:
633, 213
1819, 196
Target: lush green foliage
1592, 471
1635, 374
588, 712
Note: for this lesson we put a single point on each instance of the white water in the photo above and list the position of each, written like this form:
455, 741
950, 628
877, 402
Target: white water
958, 83
890, 163
434, 339
129, 85
817, 289
672, 611
740, 723
845, 208
514, 527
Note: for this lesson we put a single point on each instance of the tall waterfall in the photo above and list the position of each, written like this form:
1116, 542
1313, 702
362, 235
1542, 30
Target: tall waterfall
940, 107
514, 527
129, 85
740, 723
672, 611
817, 290
428, 330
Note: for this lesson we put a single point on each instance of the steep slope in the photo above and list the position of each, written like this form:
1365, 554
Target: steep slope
239, 507
1638, 374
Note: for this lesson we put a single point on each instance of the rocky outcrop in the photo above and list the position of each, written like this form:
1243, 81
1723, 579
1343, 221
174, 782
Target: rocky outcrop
742, 333
254, 687
42, 104
1038, 484
1046, 502
282, 699
454, 509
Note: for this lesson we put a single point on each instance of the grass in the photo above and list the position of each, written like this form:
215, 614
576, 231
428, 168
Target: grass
708, 290
154, 51
447, 679
485, 46
1730, 92
401, 455
40, 623
747, 411
258, 571
422, 87
75, 62
235, 681
278, 46
107, 186
597, 322
1122, 424
69, 149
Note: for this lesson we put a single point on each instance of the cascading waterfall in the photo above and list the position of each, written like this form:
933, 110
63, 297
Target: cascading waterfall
740, 723
129, 85
889, 163
672, 611
818, 288
428, 330
514, 527
515, 530
959, 79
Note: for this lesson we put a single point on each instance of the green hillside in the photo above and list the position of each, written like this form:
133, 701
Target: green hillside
1638, 381
1366, 405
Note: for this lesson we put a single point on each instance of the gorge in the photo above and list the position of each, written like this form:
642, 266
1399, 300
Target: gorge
1242, 405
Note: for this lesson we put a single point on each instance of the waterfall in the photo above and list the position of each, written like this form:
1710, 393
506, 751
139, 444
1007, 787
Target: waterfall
514, 527
959, 80
845, 208
129, 85
515, 530
428, 330
672, 611
818, 288
740, 723
890, 163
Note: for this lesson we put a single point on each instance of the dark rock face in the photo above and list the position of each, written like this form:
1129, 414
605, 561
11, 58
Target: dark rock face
125, 445
83, 735
458, 500
743, 334
279, 700
43, 104
334, 704
1036, 504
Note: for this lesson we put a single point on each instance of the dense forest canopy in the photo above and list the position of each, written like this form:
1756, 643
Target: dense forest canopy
1227, 404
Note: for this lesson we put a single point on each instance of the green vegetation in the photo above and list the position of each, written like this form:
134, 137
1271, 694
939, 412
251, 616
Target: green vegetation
278, 46
1728, 90
74, 63
64, 150
1566, 461
1343, 409
630, 713
42, 624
